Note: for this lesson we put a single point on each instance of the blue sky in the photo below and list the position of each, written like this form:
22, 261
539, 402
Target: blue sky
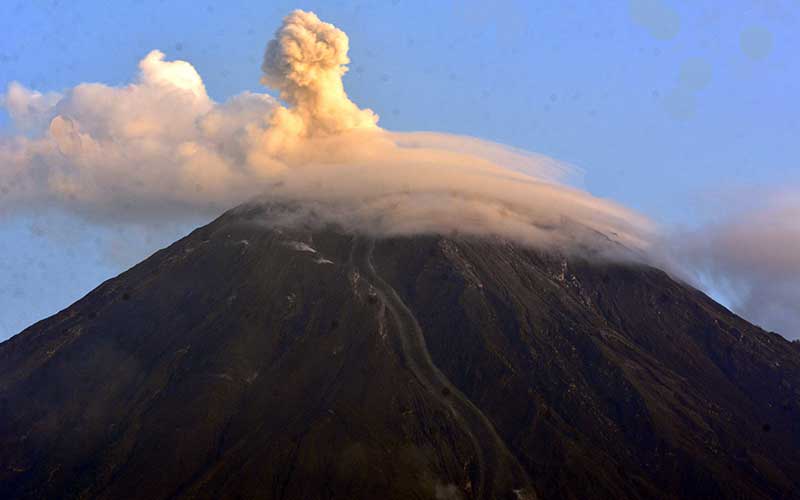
666, 106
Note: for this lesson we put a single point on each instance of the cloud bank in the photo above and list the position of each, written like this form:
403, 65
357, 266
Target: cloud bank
161, 151
160, 148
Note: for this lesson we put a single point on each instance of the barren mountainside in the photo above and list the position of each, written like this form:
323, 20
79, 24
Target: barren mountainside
250, 362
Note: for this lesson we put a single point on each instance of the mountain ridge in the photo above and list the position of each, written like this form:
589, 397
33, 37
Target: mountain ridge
273, 362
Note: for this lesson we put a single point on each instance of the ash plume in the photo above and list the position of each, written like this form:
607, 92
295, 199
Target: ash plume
305, 62
160, 148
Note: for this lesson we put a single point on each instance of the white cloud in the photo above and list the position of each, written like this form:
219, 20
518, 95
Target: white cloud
160, 151
752, 256
160, 148
27, 107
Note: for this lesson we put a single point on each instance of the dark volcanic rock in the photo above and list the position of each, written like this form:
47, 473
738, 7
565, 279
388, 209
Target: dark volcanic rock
246, 362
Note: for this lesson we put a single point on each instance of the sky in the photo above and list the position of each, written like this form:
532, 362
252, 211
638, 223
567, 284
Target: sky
683, 111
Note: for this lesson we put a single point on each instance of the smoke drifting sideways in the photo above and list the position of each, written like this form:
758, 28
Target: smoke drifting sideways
752, 257
160, 149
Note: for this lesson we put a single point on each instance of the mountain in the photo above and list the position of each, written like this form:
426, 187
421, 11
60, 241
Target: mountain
245, 361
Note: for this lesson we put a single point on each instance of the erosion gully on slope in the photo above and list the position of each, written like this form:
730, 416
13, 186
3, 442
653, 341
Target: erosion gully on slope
492, 456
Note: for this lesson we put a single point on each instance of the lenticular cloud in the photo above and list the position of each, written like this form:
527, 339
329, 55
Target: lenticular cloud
160, 148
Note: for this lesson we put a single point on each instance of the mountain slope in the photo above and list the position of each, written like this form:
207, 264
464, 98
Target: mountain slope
249, 362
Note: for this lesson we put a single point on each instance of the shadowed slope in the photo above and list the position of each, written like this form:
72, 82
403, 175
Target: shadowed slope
244, 361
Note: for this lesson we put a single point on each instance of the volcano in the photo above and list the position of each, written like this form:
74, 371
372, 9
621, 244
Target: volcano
254, 361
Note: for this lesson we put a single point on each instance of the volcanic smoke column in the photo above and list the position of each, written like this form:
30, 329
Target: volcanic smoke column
305, 62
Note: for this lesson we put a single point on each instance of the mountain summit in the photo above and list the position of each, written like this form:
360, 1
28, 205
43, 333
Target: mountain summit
253, 361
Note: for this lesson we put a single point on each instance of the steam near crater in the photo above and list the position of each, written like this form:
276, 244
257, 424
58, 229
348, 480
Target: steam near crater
159, 152
160, 148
